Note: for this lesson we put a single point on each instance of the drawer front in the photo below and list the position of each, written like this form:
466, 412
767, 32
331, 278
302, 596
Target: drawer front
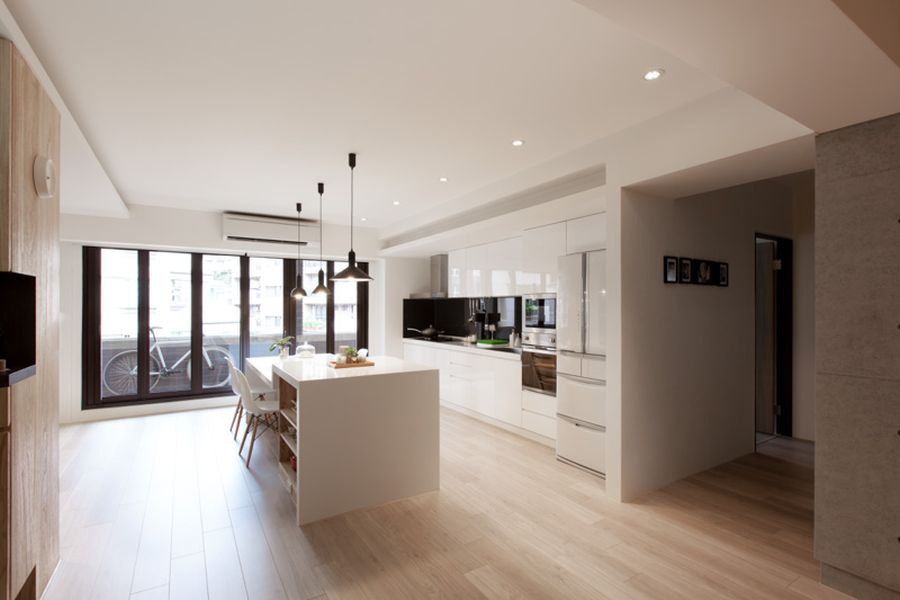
568, 364
539, 424
541, 404
594, 367
581, 444
581, 399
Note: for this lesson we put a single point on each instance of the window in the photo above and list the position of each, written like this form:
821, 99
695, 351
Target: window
153, 320
266, 304
118, 322
221, 318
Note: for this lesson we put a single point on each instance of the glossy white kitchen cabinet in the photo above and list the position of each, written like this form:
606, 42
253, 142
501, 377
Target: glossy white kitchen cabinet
456, 273
595, 303
473, 379
477, 270
540, 249
586, 233
504, 263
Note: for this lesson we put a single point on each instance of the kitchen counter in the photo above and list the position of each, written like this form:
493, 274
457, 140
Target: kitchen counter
354, 437
505, 352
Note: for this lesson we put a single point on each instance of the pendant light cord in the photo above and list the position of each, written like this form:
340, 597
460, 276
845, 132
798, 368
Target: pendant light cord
351, 207
298, 232
320, 229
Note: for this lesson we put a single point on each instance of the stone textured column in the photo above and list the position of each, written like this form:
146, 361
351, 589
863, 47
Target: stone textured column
857, 505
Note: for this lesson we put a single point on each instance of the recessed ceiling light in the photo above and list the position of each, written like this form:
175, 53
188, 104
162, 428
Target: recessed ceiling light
443, 180
363, 219
396, 203
654, 74
518, 143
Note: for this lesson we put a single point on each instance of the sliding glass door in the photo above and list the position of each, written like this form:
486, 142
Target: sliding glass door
161, 326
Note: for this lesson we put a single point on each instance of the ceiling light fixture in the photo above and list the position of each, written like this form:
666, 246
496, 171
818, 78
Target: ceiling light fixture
396, 203
363, 219
443, 180
352, 272
321, 289
518, 143
298, 293
654, 74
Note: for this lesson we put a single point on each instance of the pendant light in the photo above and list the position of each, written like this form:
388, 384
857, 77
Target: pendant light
298, 293
352, 272
321, 288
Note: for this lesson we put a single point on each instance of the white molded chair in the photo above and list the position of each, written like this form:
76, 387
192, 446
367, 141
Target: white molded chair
256, 405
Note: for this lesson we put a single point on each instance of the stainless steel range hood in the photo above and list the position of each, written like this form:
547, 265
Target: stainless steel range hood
439, 278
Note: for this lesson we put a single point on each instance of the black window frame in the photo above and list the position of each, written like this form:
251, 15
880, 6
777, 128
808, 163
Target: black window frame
91, 350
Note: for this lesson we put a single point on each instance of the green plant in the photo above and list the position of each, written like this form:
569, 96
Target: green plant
282, 343
350, 352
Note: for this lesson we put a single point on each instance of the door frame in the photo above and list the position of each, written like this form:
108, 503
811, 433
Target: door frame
784, 332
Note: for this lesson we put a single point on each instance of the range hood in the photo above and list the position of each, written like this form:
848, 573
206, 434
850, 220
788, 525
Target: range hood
439, 278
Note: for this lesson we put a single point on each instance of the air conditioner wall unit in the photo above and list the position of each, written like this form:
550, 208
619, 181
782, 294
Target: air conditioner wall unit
269, 229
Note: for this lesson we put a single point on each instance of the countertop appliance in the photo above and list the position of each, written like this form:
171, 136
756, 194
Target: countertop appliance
581, 362
539, 320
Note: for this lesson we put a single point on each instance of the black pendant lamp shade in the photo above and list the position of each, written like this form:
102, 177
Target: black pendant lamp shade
352, 272
298, 293
321, 288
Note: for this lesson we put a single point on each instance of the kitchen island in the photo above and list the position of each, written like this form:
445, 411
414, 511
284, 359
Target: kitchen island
358, 436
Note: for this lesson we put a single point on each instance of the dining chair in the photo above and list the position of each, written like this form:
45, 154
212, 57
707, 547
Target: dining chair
258, 407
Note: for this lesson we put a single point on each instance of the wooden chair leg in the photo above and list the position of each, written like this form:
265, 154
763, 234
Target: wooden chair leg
246, 432
234, 419
239, 417
252, 440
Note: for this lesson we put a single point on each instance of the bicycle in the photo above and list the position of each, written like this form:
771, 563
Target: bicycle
120, 374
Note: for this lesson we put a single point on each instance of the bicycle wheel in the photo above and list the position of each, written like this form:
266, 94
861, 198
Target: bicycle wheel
217, 374
120, 374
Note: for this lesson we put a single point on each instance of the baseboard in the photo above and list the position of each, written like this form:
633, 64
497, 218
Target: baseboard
855, 586
534, 437
143, 410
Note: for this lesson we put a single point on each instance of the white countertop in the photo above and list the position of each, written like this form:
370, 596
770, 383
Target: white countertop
467, 348
298, 370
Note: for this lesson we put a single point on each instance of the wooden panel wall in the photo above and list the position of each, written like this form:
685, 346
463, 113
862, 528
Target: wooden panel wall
29, 124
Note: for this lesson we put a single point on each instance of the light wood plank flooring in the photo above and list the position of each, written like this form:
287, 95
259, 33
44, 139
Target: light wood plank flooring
161, 507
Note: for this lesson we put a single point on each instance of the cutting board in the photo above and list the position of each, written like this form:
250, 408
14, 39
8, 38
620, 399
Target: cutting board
336, 365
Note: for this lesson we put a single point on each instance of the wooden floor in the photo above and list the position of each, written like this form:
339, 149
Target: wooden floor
161, 507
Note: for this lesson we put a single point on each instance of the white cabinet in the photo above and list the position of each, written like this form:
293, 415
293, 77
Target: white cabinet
586, 234
456, 273
477, 271
503, 260
541, 247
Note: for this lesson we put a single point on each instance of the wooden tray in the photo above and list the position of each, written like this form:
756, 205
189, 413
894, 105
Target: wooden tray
336, 365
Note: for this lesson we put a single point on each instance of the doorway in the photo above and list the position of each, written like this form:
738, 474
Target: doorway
774, 343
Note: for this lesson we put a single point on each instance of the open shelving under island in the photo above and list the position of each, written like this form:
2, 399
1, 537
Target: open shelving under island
359, 436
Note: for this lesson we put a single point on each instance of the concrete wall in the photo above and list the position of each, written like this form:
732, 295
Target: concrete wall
857, 529
688, 351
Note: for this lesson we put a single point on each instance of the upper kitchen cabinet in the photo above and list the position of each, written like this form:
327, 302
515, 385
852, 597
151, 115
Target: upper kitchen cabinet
586, 234
456, 273
541, 247
477, 271
505, 260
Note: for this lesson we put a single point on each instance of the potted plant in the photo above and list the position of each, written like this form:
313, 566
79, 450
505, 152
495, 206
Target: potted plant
351, 355
283, 345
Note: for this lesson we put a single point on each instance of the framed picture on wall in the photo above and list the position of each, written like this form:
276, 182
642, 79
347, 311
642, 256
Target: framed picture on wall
685, 270
723, 274
705, 272
670, 269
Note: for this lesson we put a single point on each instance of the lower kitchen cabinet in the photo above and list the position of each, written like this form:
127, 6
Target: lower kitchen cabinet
491, 386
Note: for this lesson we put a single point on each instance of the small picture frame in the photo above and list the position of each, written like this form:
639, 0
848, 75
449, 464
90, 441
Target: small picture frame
723, 274
685, 270
705, 272
670, 269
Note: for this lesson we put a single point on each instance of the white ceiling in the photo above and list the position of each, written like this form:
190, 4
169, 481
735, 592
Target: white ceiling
224, 104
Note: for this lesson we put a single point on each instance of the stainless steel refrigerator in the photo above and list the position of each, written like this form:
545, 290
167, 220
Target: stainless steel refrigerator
581, 361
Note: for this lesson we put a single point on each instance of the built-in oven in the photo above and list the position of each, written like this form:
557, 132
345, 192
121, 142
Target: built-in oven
539, 370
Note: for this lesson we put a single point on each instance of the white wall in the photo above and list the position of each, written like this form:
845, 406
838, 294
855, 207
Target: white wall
395, 278
688, 351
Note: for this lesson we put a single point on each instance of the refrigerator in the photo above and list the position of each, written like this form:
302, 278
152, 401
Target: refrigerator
581, 361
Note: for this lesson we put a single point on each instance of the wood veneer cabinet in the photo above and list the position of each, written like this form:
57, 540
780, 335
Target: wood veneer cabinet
29, 244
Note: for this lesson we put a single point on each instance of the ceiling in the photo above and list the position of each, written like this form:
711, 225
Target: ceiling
228, 105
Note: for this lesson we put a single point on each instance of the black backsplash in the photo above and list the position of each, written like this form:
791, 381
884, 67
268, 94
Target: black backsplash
451, 315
